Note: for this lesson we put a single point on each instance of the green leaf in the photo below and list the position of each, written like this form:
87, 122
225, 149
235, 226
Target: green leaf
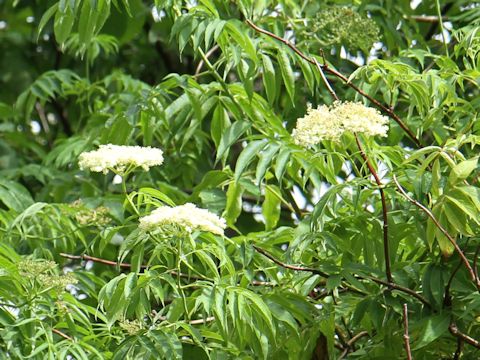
462, 170
63, 24
287, 73
271, 206
230, 136
266, 157
234, 203
246, 156
14, 196
434, 327
130, 285
269, 78
47, 15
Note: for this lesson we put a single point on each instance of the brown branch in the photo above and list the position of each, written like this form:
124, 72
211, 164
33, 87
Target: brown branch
349, 345
386, 247
390, 285
426, 18
192, 322
395, 286
287, 266
127, 265
457, 333
65, 336
202, 62
99, 260
43, 117
475, 260
325, 80
357, 337
337, 74
442, 229
406, 337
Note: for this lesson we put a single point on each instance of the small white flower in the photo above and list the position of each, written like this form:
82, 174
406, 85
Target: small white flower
319, 124
188, 217
358, 118
118, 158
329, 123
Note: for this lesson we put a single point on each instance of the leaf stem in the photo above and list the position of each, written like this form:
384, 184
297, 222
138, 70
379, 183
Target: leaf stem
442, 29
406, 337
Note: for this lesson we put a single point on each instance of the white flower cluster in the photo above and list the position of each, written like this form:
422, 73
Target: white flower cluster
118, 158
187, 217
329, 123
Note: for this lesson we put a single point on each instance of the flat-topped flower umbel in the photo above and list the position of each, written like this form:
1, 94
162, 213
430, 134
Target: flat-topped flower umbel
187, 217
118, 158
330, 122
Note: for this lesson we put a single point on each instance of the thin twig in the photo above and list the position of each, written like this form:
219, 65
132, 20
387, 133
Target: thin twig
475, 260
357, 337
65, 336
337, 74
192, 322
42, 116
386, 246
457, 333
390, 285
351, 342
287, 266
395, 286
127, 265
425, 18
202, 62
406, 337
99, 260
325, 80
442, 229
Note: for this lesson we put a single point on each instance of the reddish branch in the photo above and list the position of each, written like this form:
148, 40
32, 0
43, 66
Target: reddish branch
291, 267
442, 229
127, 265
395, 286
406, 337
357, 337
99, 260
457, 333
192, 322
202, 62
426, 18
350, 343
386, 246
390, 285
475, 260
335, 73
65, 336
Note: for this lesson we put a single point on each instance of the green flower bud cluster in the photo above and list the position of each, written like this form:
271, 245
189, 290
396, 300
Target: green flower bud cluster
344, 26
40, 271
85, 216
131, 327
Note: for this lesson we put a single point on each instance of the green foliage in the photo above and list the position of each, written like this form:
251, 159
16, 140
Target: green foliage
301, 271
